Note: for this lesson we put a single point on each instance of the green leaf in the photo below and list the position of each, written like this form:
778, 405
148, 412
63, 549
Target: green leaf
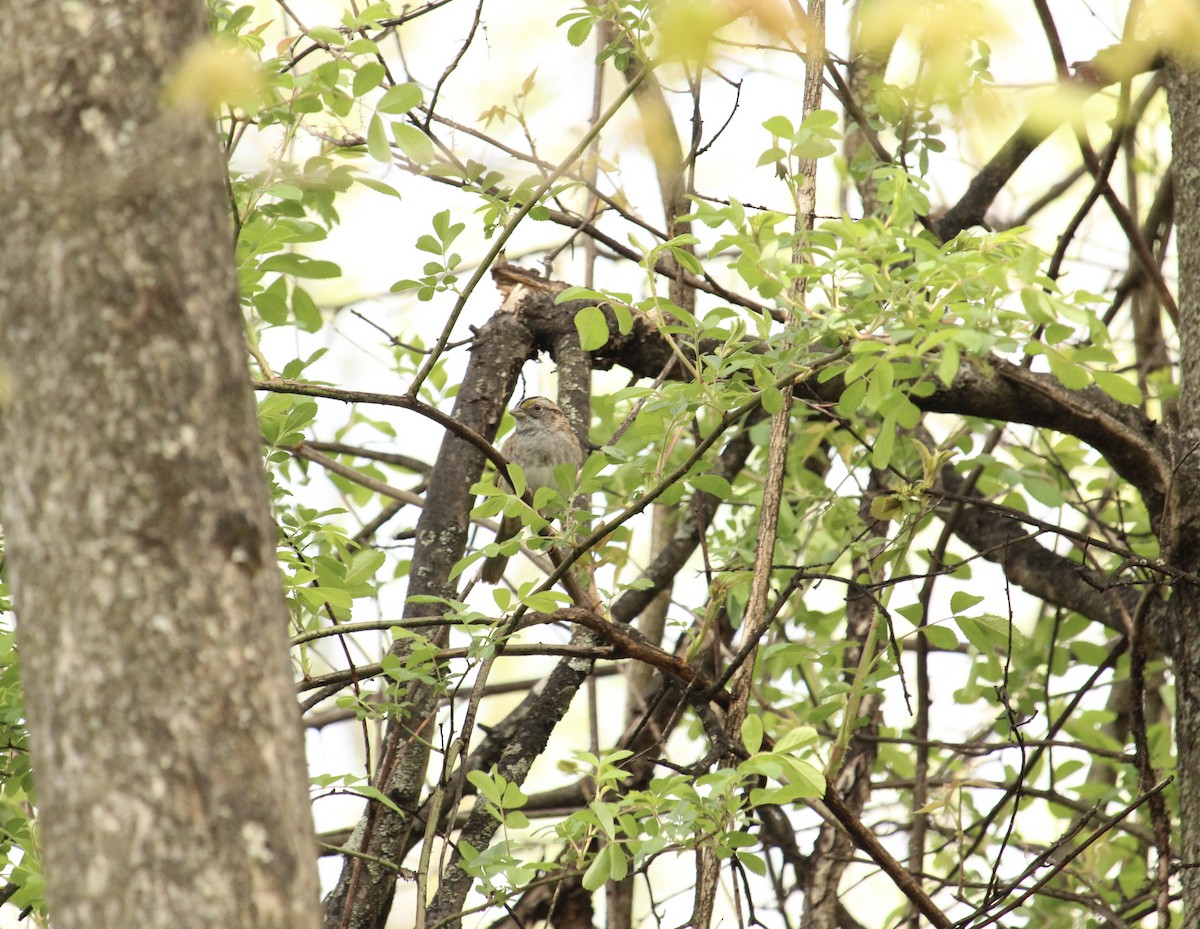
319, 596
772, 399
1028, 265
447, 232
779, 126
778, 796
326, 35
960, 600
378, 146
618, 866
948, 363
377, 185
752, 733
1118, 387
517, 475
413, 142
579, 293
579, 30
822, 121
806, 777
363, 566
367, 77
940, 637
545, 601
1089, 653
1042, 490
513, 797
986, 633
374, 793
596, 876
754, 864
851, 399
603, 812
885, 443
813, 147
1069, 374
592, 328
515, 820
271, 304
796, 738
1065, 769
301, 266
31, 890
765, 763
399, 99
285, 191
486, 784
880, 383
712, 484
306, 311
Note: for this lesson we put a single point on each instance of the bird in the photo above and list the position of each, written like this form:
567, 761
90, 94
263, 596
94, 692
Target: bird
542, 441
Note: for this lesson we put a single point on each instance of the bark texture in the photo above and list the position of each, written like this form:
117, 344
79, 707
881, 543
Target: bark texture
1184, 528
166, 743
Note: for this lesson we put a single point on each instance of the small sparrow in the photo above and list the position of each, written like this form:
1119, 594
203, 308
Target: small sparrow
542, 440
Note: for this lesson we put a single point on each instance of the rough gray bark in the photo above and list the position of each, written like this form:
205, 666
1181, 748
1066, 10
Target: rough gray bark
167, 751
1184, 529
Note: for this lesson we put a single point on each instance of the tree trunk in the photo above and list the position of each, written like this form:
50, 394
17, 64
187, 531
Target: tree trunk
1181, 531
167, 750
